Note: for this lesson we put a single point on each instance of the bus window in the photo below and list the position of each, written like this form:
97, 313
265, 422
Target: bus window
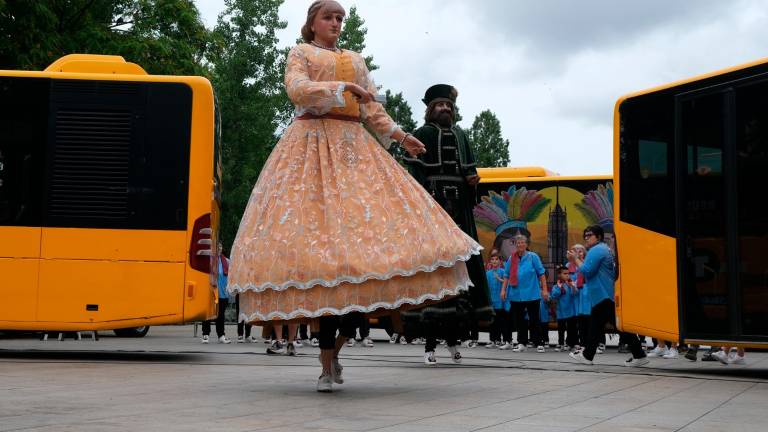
706, 276
646, 155
23, 122
751, 132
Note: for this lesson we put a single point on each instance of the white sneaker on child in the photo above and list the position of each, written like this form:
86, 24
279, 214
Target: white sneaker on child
368, 342
224, 340
490, 345
737, 360
351, 342
671, 354
393, 338
658, 352
204, 339
540, 349
520, 348
505, 346
314, 342
429, 358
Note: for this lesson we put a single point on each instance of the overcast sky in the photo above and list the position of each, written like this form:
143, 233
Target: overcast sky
551, 70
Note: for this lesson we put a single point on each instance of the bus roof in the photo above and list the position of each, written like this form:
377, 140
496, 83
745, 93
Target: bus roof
523, 174
693, 79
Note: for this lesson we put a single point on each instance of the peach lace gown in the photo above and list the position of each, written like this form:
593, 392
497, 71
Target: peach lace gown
334, 224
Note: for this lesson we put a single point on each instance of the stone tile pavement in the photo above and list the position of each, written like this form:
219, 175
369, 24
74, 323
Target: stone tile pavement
168, 381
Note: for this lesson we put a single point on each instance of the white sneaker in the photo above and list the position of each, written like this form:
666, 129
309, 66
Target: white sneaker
505, 346
403, 340
429, 358
204, 339
224, 340
336, 371
635, 362
251, 339
491, 344
737, 360
540, 349
721, 356
472, 344
368, 342
558, 348
658, 352
519, 348
351, 342
241, 339
455, 354
276, 348
314, 342
393, 338
297, 343
579, 357
290, 349
671, 354
324, 384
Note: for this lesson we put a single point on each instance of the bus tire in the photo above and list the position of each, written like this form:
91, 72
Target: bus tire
133, 332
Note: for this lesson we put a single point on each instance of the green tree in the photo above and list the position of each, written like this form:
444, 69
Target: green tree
352, 36
163, 36
397, 108
490, 149
248, 75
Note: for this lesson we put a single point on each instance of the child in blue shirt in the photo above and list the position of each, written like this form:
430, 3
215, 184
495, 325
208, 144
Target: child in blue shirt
544, 318
566, 294
501, 330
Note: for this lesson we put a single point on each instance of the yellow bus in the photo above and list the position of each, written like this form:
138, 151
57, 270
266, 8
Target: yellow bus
109, 196
550, 209
690, 159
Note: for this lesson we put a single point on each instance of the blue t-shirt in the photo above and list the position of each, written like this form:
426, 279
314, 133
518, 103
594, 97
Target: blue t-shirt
222, 281
599, 270
529, 269
494, 286
566, 300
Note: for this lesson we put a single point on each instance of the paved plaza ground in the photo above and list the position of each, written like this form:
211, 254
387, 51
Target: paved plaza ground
168, 381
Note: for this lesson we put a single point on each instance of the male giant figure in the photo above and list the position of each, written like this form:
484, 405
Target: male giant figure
448, 172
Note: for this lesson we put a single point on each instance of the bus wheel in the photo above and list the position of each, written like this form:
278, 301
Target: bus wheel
135, 332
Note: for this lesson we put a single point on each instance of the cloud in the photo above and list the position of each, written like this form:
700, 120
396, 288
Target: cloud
551, 70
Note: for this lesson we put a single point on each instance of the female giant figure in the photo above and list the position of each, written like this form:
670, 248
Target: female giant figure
334, 225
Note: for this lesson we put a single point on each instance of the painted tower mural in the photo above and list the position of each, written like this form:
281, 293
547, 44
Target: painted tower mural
552, 214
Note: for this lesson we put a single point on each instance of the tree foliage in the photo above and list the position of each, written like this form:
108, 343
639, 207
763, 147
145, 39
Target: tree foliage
247, 74
490, 149
352, 36
163, 36
397, 108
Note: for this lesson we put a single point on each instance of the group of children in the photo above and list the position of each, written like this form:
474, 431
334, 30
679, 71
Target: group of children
568, 302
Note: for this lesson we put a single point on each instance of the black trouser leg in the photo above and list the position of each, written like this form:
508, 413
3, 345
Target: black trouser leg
584, 321
532, 308
303, 331
506, 327
365, 327
329, 325
544, 333
497, 325
572, 331
602, 314
521, 324
561, 326
220, 318
206, 328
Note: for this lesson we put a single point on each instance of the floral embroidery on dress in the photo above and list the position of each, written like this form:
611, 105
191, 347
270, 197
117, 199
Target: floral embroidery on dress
334, 224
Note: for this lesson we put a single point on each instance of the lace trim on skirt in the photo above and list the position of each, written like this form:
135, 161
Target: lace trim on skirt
236, 288
304, 313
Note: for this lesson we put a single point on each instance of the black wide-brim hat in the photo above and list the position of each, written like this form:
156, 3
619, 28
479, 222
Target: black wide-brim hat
440, 92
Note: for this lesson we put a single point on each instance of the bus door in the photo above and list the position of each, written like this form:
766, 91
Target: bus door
721, 153
23, 118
